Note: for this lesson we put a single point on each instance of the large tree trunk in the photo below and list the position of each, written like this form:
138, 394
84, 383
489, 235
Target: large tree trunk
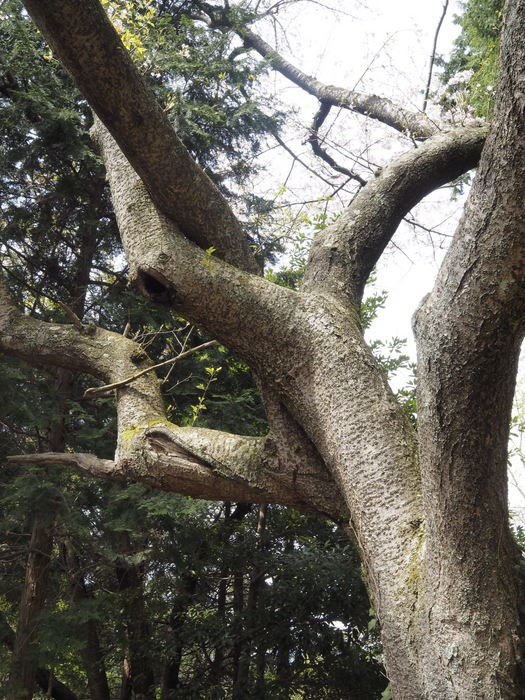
469, 332
427, 508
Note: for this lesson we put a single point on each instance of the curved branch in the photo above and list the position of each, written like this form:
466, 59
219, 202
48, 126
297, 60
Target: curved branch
343, 255
320, 152
90, 49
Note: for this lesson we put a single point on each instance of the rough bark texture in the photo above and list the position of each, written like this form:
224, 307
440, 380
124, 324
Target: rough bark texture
180, 188
469, 332
431, 525
415, 124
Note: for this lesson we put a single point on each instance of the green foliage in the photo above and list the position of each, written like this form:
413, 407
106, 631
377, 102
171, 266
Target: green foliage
471, 72
205, 82
214, 389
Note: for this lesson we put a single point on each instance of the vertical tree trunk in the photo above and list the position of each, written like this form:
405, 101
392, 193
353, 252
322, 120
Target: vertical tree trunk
92, 654
254, 588
138, 677
43, 678
238, 632
170, 678
24, 661
218, 656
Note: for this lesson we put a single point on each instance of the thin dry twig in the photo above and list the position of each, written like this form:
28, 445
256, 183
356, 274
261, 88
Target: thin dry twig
433, 55
313, 140
98, 391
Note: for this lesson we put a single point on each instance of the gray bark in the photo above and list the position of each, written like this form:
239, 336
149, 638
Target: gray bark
469, 332
427, 510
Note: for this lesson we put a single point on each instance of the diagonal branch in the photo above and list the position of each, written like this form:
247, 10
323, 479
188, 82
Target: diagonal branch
93, 392
416, 124
90, 49
166, 268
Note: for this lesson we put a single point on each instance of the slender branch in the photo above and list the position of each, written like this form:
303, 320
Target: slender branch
81, 460
433, 55
301, 162
319, 151
93, 392
416, 124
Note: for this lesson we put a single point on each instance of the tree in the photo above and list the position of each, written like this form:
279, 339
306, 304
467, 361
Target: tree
115, 590
426, 504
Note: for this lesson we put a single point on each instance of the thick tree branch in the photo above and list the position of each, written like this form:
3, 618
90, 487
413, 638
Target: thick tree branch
166, 268
207, 464
415, 124
343, 255
84, 39
197, 462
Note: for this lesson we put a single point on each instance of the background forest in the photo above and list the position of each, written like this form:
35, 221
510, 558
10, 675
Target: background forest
115, 590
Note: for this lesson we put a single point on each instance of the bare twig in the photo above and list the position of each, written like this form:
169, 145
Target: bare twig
319, 151
97, 391
72, 315
82, 460
300, 161
433, 55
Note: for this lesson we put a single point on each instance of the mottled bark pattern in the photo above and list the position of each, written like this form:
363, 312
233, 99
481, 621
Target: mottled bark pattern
428, 509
